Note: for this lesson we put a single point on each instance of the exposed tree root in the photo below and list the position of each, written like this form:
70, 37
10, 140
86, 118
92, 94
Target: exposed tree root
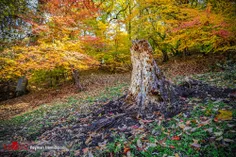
112, 113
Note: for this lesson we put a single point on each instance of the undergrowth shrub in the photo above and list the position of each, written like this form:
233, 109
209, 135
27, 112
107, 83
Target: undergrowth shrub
49, 78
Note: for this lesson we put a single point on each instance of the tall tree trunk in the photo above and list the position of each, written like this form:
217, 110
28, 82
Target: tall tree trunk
149, 90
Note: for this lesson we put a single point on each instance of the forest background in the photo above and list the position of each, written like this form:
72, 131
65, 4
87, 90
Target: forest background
45, 40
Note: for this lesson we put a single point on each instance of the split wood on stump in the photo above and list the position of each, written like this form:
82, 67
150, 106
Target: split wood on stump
149, 90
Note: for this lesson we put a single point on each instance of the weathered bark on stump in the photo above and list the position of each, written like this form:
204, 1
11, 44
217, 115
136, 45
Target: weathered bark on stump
149, 90
76, 78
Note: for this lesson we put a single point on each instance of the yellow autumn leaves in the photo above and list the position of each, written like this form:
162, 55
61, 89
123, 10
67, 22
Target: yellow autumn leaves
45, 56
224, 115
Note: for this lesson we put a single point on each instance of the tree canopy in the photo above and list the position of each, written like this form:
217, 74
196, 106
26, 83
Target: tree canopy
59, 34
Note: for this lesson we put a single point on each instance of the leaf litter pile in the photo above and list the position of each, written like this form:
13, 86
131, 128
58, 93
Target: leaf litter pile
204, 127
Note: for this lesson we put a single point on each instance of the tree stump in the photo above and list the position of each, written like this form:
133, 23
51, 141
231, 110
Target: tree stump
149, 90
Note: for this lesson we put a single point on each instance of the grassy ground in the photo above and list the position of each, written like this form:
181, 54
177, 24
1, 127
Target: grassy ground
94, 85
95, 81
207, 130
200, 134
31, 124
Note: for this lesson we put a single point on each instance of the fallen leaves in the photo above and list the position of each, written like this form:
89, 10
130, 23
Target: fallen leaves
230, 125
126, 150
224, 115
210, 130
139, 144
206, 122
85, 150
218, 133
177, 155
134, 127
146, 121
88, 140
188, 122
166, 134
196, 145
176, 138
219, 138
228, 140
181, 125
162, 142
123, 128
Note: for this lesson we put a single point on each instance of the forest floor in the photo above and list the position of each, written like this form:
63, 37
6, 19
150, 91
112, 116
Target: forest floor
206, 127
95, 82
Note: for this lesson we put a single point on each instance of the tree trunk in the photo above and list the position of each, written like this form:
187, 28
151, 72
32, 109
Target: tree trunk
165, 56
149, 90
75, 75
21, 87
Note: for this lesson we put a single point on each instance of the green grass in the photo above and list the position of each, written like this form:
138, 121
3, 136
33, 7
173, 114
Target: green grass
183, 146
32, 124
225, 79
47, 116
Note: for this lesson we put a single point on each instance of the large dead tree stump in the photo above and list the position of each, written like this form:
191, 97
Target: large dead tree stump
149, 90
